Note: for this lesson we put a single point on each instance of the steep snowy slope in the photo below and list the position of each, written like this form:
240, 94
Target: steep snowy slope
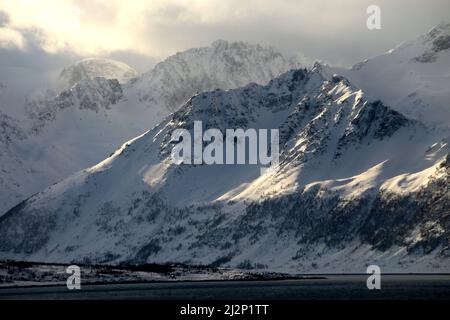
59, 137
414, 77
357, 183
90, 68
85, 123
10, 131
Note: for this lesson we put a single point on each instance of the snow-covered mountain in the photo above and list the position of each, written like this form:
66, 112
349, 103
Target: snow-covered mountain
224, 65
414, 77
82, 125
357, 184
90, 68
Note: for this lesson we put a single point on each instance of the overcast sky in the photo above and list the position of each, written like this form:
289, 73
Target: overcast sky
46, 33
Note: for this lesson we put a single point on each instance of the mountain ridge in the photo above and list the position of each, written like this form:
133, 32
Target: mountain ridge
312, 207
413, 77
81, 125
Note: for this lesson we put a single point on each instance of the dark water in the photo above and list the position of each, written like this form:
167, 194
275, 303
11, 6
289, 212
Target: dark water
331, 287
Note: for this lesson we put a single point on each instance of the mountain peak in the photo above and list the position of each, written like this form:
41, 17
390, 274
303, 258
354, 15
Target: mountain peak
441, 29
412, 78
219, 43
224, 64
91, 68
94, 94
439, 37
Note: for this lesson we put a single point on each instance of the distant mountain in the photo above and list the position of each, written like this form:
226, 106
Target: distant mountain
90, 68
82, 125
414, 77
357, 183
224, 65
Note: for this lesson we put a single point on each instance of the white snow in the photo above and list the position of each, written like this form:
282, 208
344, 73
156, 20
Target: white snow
132, 197
417, 88
90, 68
72, 137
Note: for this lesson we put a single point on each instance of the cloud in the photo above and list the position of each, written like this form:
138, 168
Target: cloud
11, 39
4, 18
333, 30
25, 70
